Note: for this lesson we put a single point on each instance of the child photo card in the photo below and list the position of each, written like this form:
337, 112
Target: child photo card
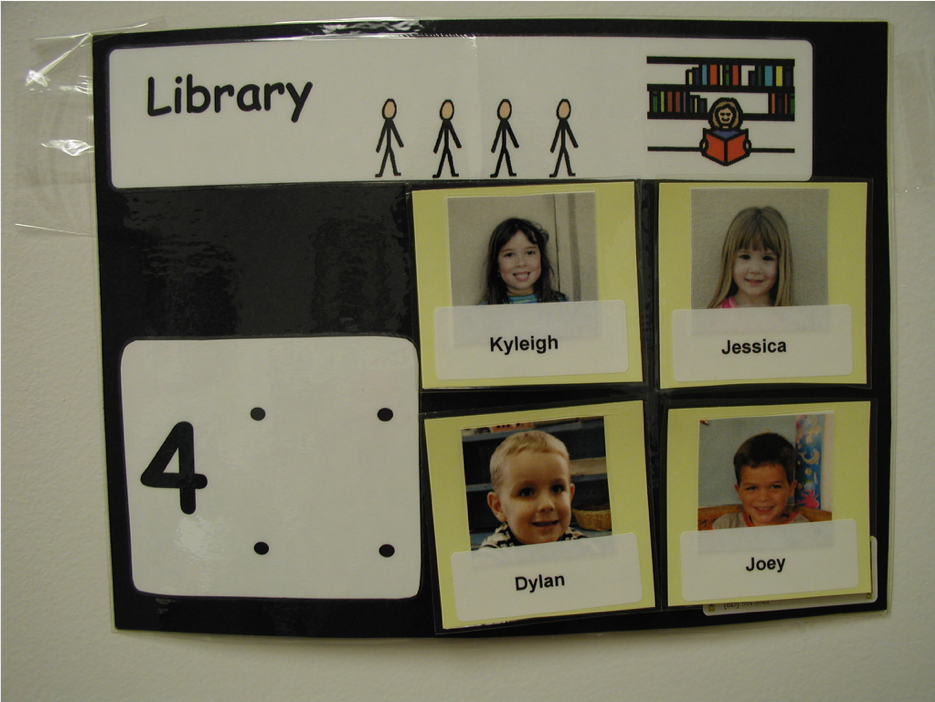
480, 251
540, 513
768, 502
755, 279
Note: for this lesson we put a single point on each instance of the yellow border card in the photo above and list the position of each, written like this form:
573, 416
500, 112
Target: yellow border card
768, 502
480, 249
734, 310
540, 513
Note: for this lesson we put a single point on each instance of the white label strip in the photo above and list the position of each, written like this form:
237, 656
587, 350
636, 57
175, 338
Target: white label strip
531, 340
759, 343
524, 581
769, 561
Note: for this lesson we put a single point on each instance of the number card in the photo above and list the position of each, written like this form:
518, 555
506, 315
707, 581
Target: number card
540, 513
768, 502
481, 250
762, 283
273, 467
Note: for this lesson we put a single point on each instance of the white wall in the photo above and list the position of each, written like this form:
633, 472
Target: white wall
59, 643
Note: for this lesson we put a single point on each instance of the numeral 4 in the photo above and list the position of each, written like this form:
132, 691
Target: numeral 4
180, 440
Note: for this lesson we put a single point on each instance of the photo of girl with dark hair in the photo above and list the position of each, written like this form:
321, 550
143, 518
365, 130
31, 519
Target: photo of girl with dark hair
518, 269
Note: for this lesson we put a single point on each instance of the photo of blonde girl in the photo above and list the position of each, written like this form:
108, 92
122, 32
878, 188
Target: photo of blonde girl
756, 261
759, 247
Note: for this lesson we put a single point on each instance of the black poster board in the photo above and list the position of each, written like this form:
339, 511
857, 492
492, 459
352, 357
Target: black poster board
338, 259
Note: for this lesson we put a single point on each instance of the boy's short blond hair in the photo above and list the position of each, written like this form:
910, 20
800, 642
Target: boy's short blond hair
535, 440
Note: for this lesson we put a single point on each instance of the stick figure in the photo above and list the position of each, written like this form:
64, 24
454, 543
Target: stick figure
446, 112
389, 131
503, 131
563, 111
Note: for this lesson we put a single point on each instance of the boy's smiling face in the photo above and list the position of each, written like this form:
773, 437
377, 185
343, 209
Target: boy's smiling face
534, 497
764, 492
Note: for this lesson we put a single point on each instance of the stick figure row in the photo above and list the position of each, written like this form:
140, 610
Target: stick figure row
503, 137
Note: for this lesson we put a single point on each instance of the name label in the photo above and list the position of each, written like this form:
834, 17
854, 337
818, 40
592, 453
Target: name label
759, 343
764, 346
771, 564
538, 582
538, 344
527, 342
812, 557
495, 584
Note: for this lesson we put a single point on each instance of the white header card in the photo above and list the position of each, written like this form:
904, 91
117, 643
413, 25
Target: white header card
418, 108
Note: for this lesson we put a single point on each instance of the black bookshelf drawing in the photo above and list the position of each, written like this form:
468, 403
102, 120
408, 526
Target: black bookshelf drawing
716, 77
775, 77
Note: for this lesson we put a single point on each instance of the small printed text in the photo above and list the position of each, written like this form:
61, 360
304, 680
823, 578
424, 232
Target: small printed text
764, 346
538, 344
771, 564
538, 582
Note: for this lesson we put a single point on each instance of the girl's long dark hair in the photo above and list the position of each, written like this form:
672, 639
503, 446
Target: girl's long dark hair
495, 292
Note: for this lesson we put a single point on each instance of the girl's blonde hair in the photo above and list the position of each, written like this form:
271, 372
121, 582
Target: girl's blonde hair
757, 229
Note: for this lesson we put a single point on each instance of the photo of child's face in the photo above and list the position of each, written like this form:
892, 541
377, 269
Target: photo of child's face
764, 493
755, 275
534, 497
520, 265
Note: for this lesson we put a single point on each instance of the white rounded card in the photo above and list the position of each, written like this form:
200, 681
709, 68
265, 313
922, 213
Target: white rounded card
273, 467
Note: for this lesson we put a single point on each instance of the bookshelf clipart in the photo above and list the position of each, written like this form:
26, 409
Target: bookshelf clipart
713, 91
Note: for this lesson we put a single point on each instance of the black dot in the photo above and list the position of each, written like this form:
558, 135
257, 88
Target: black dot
258, 413
385, 414
261, 547
386, 550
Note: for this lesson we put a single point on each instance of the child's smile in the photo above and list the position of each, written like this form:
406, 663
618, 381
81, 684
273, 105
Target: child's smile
520, 265
754, 274
534, 497
764, 492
